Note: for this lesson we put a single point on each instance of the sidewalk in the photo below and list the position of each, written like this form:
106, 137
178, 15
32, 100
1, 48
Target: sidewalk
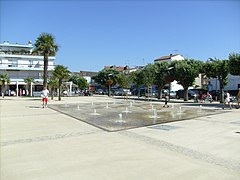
42, 144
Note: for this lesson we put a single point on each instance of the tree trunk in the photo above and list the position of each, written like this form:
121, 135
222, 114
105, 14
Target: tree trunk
45, 69
59, 91
159, 96
186, 94
221, 91
3, 88
52, 93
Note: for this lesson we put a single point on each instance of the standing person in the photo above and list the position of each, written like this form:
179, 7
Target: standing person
166, 100
227, 100
238, 98
44, 96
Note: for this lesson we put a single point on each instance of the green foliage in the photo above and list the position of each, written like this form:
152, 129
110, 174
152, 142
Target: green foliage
53, 85
161, 74
104, 75
79, 81
29, 80
123, 80
4, 78
45, 45
219, 69
185, 72
234, 64
137, 78
61, 74
148, 75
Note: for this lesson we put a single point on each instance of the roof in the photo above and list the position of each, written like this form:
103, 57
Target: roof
166, 57
117, 68
85, 73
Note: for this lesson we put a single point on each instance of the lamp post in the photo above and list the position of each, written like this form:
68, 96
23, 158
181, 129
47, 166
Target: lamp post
109, 83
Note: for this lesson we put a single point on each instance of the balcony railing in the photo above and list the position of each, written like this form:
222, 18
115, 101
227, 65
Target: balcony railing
25, 65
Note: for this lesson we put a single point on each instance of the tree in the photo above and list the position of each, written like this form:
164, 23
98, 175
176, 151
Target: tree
52, 84
106, 78
45, 45
4, 78
148, 78
215, 68
29, 80
61, 74
161, 76
137, 79
234, 64
185, 72
124, 81
79, 81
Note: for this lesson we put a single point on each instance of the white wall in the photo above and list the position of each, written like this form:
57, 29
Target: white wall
233, 82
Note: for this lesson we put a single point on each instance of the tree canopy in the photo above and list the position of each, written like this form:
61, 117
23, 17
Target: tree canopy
234, 64
185, 72
61, 74
105, 75
79, 81
215, 68
4, 78
45, 45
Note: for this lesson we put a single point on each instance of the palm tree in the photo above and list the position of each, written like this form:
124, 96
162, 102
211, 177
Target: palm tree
4, 78
53, 84
61, 74
45, 45
29, 80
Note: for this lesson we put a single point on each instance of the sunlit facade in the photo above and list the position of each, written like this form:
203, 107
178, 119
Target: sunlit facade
19, 63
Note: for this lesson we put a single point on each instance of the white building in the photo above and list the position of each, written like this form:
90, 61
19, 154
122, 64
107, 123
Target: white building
19, 63
172, 57
169, 58
233, 83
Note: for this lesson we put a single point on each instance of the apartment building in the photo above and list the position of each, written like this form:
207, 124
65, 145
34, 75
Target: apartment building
18, 61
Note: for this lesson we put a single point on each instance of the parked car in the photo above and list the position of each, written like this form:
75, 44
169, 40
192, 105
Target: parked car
166, 92
127, 92
180, 94
100, 91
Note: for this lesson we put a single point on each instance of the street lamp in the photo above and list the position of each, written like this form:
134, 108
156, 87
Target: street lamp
109, 83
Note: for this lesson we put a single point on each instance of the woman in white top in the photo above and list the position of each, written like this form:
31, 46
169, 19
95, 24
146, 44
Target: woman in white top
227, 100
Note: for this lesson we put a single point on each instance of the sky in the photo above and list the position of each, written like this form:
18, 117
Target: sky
96, 33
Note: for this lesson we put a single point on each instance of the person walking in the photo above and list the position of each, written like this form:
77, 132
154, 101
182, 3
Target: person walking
227, 100
44, 96
166, 100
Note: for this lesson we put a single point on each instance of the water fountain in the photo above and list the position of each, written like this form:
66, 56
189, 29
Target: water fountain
127, 111
120, 120
180, 111
154, 115
131, 104
122, 116
200, 109
94, 112
107, 106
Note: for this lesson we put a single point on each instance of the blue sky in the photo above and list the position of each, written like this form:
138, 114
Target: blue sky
92, 34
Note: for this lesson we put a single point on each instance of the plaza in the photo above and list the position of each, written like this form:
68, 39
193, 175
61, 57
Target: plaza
42, 143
